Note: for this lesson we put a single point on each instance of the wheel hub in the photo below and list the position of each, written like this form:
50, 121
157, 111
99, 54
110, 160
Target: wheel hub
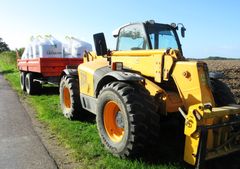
119, 120
66, 97
113, 121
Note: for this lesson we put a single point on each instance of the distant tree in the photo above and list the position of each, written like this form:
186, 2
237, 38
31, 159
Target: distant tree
3, 46
216, 58
19, 52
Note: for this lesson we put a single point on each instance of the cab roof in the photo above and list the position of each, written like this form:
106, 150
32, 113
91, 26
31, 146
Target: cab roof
115, 33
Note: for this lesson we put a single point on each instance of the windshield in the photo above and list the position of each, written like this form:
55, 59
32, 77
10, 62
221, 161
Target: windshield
132, 37
162, 37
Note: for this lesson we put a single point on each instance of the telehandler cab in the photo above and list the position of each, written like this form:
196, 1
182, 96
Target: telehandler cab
147, 77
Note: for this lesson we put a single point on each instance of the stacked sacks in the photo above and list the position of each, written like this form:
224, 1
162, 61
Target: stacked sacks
49, 47
75, 48
43, 47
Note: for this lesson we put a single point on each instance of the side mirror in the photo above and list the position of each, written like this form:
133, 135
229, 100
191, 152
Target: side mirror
100, 44
183, 30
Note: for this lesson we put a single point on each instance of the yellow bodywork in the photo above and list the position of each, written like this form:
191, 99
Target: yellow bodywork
193, 85
193, 90
152, 64
86, 72
192, 82
147, 62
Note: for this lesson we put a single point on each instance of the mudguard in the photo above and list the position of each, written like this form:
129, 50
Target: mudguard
113, 76
70, 72
124, 76
216, 75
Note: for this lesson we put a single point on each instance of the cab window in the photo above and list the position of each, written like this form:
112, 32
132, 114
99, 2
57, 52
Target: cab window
132, 37
162, 37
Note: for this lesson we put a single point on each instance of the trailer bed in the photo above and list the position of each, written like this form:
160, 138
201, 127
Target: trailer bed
48, 67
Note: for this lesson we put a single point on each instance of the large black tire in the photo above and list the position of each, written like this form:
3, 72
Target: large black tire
32, 87
222, 97
22, 81
127, 121
222, 93
70, 98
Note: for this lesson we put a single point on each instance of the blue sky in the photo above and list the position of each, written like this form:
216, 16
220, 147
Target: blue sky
212, 25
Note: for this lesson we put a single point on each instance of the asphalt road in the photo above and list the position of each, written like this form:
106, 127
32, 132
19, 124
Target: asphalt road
20, 146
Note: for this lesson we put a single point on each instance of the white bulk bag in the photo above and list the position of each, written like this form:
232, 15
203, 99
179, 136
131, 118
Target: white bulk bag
25, 53
78, 47
75, 48
67, 51
35, 47
50, 47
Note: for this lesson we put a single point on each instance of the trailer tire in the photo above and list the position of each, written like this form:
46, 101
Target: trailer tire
221, 93
127, 120
70, 98
32, 87
22, 81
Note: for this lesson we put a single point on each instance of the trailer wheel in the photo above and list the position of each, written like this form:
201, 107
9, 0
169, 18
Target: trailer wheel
22, 81
222, 93
70, 98
31, 86
127, 121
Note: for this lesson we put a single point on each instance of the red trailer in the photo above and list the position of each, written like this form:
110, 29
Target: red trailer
35, 72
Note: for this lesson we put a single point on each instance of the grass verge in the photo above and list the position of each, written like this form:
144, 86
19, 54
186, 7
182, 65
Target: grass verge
80, 137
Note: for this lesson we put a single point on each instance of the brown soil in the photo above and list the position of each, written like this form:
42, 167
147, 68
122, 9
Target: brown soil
231, 72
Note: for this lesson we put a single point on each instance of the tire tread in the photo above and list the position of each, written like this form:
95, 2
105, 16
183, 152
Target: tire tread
143, 119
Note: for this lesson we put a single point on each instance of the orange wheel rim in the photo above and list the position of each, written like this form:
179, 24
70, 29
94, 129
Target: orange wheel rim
113, 122
66, 97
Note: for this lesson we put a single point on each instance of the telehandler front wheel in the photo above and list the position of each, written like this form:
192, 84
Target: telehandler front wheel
70, 98
126, 119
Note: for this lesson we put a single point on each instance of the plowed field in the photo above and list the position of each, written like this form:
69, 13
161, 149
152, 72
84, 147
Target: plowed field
231, 71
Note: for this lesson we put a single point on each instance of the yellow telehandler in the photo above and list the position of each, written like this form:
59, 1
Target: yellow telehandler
145, 78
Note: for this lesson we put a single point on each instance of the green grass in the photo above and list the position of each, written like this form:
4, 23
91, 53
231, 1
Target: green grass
81, 138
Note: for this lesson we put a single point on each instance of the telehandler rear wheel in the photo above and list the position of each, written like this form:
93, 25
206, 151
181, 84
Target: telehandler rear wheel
127, 120
22, 81
70, 98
